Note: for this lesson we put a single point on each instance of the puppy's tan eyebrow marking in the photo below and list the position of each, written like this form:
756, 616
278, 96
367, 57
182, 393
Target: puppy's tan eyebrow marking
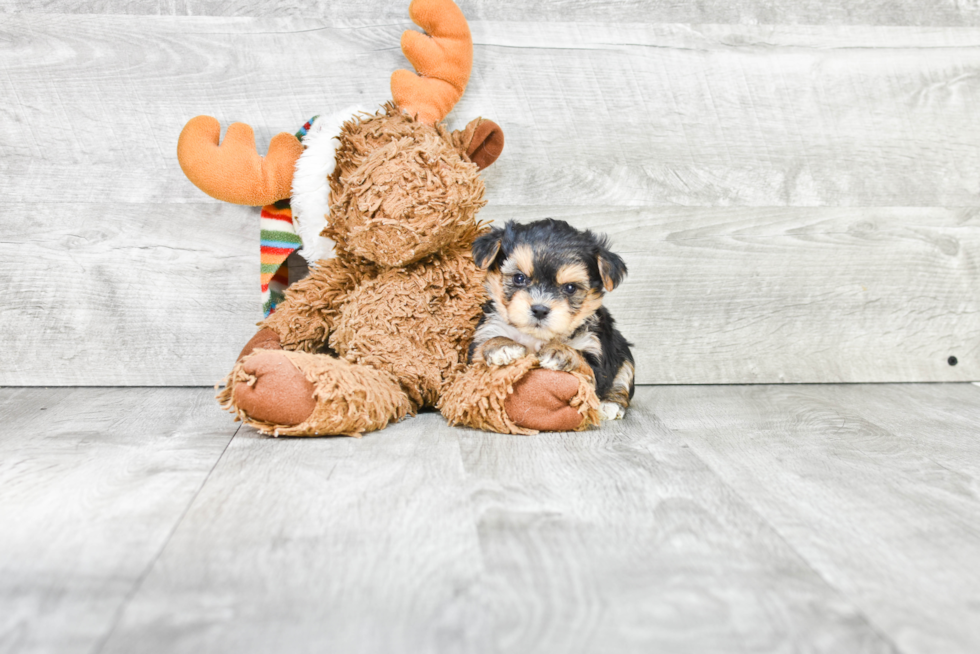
520, 260
572, 273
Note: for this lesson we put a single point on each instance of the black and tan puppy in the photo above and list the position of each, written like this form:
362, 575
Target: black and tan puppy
546, 282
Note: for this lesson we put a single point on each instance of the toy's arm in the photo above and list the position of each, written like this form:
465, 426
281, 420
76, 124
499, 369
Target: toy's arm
233, 171
304, 320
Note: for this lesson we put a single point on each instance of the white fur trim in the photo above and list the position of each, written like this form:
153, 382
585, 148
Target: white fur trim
311, 191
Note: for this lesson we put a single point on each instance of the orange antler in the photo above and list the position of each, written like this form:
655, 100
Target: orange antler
233, 171
443, 57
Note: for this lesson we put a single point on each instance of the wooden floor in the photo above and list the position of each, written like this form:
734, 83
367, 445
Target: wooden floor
831, 518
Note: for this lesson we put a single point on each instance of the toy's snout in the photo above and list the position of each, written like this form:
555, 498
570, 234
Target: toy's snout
410, 198
404, 225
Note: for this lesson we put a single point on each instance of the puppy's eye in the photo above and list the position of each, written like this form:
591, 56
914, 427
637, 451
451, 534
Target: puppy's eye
569, 289
520, 279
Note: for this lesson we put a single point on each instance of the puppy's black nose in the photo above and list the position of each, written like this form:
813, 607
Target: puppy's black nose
540, 311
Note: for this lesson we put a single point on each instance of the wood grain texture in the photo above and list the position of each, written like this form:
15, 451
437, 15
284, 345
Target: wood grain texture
425, 538
149, 294
728, 295
619, 540
831, 518
595, 114
92, 483
610, 124
834, 12
317, 545
876, 487
809, 295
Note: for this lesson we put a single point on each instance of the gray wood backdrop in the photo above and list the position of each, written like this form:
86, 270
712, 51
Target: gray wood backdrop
795, 185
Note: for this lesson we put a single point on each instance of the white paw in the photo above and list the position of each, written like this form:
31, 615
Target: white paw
554, 360
611, 411
506, 355
550, 361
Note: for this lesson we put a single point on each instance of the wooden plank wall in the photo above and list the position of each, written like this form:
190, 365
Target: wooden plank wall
794, 185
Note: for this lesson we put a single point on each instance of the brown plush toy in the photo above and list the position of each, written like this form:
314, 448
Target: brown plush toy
381, 330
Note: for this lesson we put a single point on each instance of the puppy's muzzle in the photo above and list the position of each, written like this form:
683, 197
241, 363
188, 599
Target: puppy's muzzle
540, 311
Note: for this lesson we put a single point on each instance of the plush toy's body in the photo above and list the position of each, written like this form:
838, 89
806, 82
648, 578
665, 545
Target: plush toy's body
397, 306
399, 336
382, 329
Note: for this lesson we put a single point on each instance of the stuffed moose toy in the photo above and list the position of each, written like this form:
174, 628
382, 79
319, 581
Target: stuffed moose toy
381, 329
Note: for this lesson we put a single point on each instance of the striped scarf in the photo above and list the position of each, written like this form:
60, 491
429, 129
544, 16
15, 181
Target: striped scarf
278, 240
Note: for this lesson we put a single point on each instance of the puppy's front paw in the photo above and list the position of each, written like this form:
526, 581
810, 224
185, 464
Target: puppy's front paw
560, 357
501, 351
506, 354
612, 411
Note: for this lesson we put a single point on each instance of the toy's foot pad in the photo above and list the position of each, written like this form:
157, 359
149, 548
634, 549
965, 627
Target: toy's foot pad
277, 391
540, 401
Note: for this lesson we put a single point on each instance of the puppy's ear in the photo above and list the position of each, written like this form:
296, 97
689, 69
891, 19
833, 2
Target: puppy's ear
487, 247
612, 268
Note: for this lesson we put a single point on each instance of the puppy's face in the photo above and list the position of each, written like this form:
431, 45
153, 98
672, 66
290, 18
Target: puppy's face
546, 278
543, 293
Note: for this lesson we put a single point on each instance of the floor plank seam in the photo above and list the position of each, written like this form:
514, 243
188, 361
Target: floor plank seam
860, 612
100, 646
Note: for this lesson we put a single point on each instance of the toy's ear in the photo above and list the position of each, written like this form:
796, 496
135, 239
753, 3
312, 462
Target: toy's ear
612, 268
487, 247
482, 141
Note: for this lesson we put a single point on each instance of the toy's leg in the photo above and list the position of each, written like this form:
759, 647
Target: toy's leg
300, 394
520, 399
264, 339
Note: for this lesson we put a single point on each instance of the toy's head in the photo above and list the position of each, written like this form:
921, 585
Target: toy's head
403, 186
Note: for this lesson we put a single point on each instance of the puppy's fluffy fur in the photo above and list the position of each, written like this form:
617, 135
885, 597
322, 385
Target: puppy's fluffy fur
546, 281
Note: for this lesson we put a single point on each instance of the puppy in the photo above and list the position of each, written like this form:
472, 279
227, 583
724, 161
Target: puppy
546, 281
